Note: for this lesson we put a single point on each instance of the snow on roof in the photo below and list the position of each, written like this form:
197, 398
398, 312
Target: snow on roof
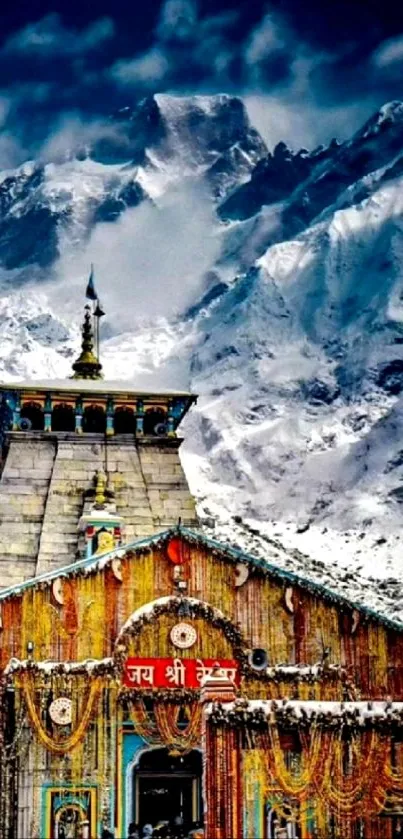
92, 385
371, 587
290, 567
89, 665
148, 608
362, 712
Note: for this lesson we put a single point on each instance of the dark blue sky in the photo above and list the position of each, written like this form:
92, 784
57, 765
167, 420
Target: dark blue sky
306, 69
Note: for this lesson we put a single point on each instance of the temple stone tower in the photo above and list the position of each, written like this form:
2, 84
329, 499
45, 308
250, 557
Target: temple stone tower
85, 463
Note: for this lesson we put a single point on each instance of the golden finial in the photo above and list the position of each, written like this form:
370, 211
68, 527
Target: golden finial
87, 365
100, 487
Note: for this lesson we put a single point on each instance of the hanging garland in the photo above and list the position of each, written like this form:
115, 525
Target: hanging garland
196, 609
178, 696
167, 716
314, 755
345, 769
144, 727
365, 782
341, 789
68, 744
164, 726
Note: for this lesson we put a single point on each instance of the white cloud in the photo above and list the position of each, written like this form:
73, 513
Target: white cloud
72, 132
389, 52
5, 104
204, 43
148, 68
98, 32
150, 263
11, 151
265, 38
304, 123
178, 20
49, 36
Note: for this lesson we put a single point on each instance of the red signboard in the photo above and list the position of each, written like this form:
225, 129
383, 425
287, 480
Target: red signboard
175, 672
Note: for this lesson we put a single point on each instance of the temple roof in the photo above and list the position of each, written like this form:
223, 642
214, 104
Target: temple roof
379, 612
93, 386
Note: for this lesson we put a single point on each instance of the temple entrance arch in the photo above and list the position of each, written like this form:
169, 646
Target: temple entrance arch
167, 787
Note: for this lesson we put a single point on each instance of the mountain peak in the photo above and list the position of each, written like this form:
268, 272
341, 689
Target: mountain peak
298, 358
391, 110
213, 123
390, 114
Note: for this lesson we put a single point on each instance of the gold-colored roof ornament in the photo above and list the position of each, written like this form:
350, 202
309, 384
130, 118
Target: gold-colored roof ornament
87, 365
100, 487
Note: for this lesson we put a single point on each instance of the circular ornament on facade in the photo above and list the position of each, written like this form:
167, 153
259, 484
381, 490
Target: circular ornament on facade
183, 636
60, 710
175, 551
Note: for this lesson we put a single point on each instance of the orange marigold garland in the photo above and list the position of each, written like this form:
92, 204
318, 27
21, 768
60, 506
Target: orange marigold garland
67, 744
144, 727
348, 773
180, 739
162, 724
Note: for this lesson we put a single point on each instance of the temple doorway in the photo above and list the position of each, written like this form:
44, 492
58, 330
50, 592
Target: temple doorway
167, 788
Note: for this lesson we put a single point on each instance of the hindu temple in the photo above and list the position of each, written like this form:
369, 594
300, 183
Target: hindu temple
153, 676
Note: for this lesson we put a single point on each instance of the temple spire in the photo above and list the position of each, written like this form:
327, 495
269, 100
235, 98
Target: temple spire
87, 366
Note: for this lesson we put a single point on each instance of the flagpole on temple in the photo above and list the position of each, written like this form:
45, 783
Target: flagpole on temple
97, 312
96, 330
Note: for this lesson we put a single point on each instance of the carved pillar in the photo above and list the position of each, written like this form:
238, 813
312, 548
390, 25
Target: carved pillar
171, 421
79, 415
110, 412
140, 418
47, 409
16, 412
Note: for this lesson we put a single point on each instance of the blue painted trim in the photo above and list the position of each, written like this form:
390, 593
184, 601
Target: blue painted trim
49, 785
132, 747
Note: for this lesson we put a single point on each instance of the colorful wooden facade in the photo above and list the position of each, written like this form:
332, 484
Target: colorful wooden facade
103, 663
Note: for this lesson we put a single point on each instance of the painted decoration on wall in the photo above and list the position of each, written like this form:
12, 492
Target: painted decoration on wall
183, 636
175, 551
288, 599
241, 573
57, 591
60, 711
175, 672
116, 566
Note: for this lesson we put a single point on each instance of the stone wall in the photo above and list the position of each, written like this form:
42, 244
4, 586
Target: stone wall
23, 496
42, 489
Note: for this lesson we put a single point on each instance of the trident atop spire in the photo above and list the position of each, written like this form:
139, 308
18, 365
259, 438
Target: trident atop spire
87, 365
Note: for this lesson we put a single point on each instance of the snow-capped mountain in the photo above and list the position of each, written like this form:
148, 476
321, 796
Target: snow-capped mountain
282, 306
137, 156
